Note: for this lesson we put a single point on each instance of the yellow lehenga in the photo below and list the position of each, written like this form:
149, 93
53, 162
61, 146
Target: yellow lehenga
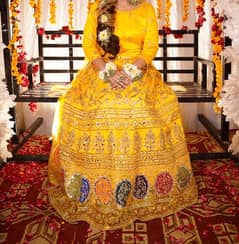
120, 155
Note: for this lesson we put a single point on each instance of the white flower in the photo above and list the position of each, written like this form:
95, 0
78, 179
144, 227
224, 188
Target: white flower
132, 71
103, 36
6, 101
102, 74
110, 67
108, 71
103, 18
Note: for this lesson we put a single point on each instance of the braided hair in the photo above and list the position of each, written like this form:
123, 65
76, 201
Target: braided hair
106, 38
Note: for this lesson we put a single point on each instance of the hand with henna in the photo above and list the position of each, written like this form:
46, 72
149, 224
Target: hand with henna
120, 80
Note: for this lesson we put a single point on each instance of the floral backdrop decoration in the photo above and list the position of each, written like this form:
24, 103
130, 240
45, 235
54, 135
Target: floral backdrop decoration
229, 96
6, 101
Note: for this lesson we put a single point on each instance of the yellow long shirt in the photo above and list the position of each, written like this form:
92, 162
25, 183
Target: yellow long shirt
137, 30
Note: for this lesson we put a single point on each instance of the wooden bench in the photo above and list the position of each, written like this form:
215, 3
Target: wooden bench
193, 89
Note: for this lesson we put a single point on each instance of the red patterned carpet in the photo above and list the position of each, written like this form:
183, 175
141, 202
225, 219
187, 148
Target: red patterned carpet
26, 216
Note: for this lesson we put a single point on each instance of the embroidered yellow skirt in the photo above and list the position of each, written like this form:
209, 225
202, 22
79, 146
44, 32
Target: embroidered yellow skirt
119, 155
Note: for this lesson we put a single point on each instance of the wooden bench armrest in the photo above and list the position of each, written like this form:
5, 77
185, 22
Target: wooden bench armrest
204, 61
204, 72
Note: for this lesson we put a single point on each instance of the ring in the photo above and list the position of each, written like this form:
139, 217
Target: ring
121, 78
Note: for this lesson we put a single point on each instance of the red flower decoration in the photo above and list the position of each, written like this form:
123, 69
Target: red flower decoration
35, 69
32, 107
77, 36
40, 31
25, 81
67, 30
21, 56
167, 30
23, 68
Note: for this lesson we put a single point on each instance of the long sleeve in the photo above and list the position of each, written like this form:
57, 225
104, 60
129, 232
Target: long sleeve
151, 39
90, 47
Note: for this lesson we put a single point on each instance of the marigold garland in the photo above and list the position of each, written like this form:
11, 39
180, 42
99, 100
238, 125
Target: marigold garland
185, 10
32, 3
159, 9
52, 18
37, 12
218, 45
19, 66
70, 13
14, 5
168, 6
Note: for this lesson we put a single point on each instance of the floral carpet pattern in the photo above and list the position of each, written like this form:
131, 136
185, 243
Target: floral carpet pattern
26, 216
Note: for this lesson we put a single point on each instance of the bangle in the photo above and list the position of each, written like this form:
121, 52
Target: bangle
108, 71
133, 71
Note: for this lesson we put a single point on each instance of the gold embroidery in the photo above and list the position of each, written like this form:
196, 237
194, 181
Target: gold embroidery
84, 143
125, 143
137, 141
99, 143
162, 140
111, 143
150, 140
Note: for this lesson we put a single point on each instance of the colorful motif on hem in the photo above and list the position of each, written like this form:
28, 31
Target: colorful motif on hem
122, 192
103, 190
164, 183
141, 187
183, 177
77, 188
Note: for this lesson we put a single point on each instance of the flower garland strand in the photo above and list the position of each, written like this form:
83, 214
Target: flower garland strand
70, 14
185, 10
37, 12
52, 18
217, 41
19, 67
167, 24
14, 6
159, 9
200, 12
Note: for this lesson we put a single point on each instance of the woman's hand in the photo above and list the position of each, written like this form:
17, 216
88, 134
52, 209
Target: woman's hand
120, 80
141, 64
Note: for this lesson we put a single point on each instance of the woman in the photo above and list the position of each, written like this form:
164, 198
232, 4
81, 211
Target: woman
119, 151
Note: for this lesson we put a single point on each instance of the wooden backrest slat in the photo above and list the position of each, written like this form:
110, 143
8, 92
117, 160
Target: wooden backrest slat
73, 43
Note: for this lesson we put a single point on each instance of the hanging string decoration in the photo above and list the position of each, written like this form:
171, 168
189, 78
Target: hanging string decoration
185, 10
159, 9
19, 66
37, 12
70, 14
52, 18
13, 43
167, 25
200, 12
217, 41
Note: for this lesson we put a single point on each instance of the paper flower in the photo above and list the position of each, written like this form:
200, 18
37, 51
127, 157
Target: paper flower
6, 132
